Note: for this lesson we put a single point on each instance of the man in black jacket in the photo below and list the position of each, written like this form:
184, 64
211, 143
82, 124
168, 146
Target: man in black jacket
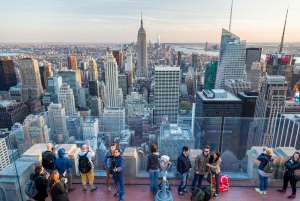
41, 183
184, 167
48, 158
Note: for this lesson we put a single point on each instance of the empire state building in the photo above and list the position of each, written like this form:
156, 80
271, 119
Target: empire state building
142, 59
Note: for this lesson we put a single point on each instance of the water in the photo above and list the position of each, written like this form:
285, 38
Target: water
189, 49
9, 54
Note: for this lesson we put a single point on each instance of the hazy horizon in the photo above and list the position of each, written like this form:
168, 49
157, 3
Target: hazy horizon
118, 21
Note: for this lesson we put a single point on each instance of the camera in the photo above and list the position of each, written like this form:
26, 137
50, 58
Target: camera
64, 179
45, 173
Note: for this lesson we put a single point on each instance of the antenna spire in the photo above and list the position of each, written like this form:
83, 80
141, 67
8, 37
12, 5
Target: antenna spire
141, 18
230, 16
282, 37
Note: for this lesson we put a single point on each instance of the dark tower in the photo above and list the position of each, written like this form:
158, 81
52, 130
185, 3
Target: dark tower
7, 75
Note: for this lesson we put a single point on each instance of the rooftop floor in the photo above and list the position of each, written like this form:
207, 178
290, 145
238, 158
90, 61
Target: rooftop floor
142, 193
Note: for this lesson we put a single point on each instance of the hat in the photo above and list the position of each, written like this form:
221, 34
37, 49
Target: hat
185, 148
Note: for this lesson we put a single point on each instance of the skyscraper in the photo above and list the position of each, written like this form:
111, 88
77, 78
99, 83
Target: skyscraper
167, 93
7, 75
54, 84
210, 75
12, 112
252, 55
231, 59
235, 86
142, 56
93, 70
194, 59
66, 99
158, 41
179, 59
31, 80
269, 103
113, 95
48, 72
4, 157
57, 123
72, 63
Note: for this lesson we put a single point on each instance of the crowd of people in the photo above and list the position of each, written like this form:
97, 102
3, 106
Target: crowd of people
54, 177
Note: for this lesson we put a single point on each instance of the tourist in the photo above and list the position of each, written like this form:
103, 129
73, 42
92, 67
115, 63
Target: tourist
48, 158
59, 190
264, 158
107, 163
200, 167
214, 165
153, 168
184, 167
40, 179
117, 172
290, 165
85, 156
63, 164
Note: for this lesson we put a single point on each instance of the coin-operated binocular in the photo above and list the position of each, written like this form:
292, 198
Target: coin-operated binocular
164, 194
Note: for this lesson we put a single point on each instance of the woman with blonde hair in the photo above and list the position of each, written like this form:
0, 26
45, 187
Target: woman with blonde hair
264, 158
59, 189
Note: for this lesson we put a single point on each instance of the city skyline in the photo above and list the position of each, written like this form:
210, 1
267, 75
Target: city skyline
117, 21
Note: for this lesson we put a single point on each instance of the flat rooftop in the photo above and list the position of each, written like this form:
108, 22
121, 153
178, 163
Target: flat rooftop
230, 97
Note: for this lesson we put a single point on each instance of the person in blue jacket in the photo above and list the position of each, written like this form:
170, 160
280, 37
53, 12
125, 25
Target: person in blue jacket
263, 176
117, 172
62, 165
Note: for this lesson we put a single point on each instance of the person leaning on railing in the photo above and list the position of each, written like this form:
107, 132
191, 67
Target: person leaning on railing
291, 165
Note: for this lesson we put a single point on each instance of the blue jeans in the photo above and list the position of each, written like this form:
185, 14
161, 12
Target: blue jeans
263, 183
120, 185
199, 178
153, 174
183, 182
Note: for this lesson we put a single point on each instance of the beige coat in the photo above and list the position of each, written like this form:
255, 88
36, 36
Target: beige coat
215, 167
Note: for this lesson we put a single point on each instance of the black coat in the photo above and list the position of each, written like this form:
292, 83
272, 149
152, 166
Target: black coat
183, 164
263, 158
41, 185
59, 192
152, 162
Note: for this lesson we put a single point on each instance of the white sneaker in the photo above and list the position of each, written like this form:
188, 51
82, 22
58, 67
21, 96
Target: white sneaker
265, 192
258, 190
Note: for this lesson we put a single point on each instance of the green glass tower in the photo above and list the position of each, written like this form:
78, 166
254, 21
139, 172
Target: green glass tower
210, 75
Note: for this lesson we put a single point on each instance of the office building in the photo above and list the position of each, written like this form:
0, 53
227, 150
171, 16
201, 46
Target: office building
232, 57
36, 129
12, 112
74, 126
254, 74
72, 63
158, 41
4, 157
142, 55
112, 120
31, 80
90, 129
7, 75
217, 111
194, 59
252, 55
94, 88
54, 84
167, 93
113, 95
248, 98
72, 78
48, 72
93, 70
270, 102
66, 99
210, 75
235, 86
15, 92
173, 137
179, 59
129, 68
286, 132
122, 82
119, 58
96, 106
57, 123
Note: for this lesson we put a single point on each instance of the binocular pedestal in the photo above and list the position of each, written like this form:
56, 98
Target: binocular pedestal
164, 194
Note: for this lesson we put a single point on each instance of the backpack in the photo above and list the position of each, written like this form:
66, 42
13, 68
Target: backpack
30, 189
269, 167
198, 195
84, 165
168, 188
207, 192
48, 160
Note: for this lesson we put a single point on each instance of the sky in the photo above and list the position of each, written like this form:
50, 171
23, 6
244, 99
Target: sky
118, 21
